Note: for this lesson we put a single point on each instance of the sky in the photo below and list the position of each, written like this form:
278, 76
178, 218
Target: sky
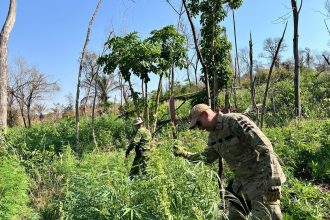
51, 34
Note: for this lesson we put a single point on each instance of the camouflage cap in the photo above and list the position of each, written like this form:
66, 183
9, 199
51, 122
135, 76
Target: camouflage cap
195, 112
137, 121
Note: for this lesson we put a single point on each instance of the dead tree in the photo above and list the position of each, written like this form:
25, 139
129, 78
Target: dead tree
4, 37
79, 74
29, 86
268, 79
296, 13
252, 89
199, 54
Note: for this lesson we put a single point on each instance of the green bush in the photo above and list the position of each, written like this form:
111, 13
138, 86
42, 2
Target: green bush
111, 133
304, 201
304, 148
13, 189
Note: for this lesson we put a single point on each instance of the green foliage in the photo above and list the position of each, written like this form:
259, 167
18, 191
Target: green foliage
173, 51
304, 148
96, 185
13, 189
304, 201
111, 133
215, 47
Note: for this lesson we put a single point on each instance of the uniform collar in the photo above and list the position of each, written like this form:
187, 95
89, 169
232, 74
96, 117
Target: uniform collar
219, 125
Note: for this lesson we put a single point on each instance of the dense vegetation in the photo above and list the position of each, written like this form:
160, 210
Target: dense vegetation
41, 178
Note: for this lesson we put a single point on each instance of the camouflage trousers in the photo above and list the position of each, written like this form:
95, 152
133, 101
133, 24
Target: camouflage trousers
253, 205
139, 165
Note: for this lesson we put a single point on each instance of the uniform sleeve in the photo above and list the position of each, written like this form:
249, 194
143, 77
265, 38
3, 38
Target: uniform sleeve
241, 127
137, 138
209, 155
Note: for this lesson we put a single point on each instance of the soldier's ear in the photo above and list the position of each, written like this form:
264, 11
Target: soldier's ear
203, 114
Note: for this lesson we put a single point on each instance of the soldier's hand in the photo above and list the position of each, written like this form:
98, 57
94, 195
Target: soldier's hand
177, 150
273, 194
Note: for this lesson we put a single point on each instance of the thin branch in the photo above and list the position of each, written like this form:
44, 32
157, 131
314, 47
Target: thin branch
326, 25
80, 71
326, 59
269, 75
179, 13
301, 2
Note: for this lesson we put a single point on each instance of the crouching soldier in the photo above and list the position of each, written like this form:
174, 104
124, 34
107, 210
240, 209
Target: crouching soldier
141, 145
248, 153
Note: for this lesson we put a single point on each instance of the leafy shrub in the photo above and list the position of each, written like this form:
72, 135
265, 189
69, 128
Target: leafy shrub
13, 189
304, 148
110, 132
304, 201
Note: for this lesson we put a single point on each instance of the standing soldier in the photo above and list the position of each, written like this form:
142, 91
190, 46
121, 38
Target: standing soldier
141, 144
248, 153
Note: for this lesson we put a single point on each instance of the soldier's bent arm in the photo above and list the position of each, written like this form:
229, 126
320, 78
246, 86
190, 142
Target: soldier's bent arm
209, 155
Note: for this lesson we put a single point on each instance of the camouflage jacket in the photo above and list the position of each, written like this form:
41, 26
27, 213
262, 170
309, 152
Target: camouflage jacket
141, 139
244, 147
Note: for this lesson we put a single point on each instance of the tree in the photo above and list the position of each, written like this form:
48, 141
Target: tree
4, 37
269, 76
40, 109
215, 47
190, 15
322, 62
296, 12
173, 53
80, 71
131, 56
269, 47
89, 67
327, 14
29, 86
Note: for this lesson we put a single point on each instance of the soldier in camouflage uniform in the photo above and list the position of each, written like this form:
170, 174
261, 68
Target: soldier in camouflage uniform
141, 145
248, 153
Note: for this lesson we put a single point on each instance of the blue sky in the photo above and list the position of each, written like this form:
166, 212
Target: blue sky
51, 34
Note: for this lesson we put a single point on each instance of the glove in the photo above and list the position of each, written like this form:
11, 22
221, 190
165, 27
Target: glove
273, 194
178, 151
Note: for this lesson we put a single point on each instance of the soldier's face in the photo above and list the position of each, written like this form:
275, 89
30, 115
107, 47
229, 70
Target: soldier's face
201, 123
137, 126
205, 121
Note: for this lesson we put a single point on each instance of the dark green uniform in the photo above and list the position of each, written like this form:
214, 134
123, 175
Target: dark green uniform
141, 145
249, 154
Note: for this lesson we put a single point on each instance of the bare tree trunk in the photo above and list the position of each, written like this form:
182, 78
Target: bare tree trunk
195, 70
79, 74
234, 87
95, 76
28, 109
236, 56
93, 113
134, 98
21, 108
4, 38
125, 95
199, 54
252, 89
157, 102
188, 73
147, 106
172, 79
227, 101
296, 12
215, 78
121, 89
142, 88
268, 79
87, 96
